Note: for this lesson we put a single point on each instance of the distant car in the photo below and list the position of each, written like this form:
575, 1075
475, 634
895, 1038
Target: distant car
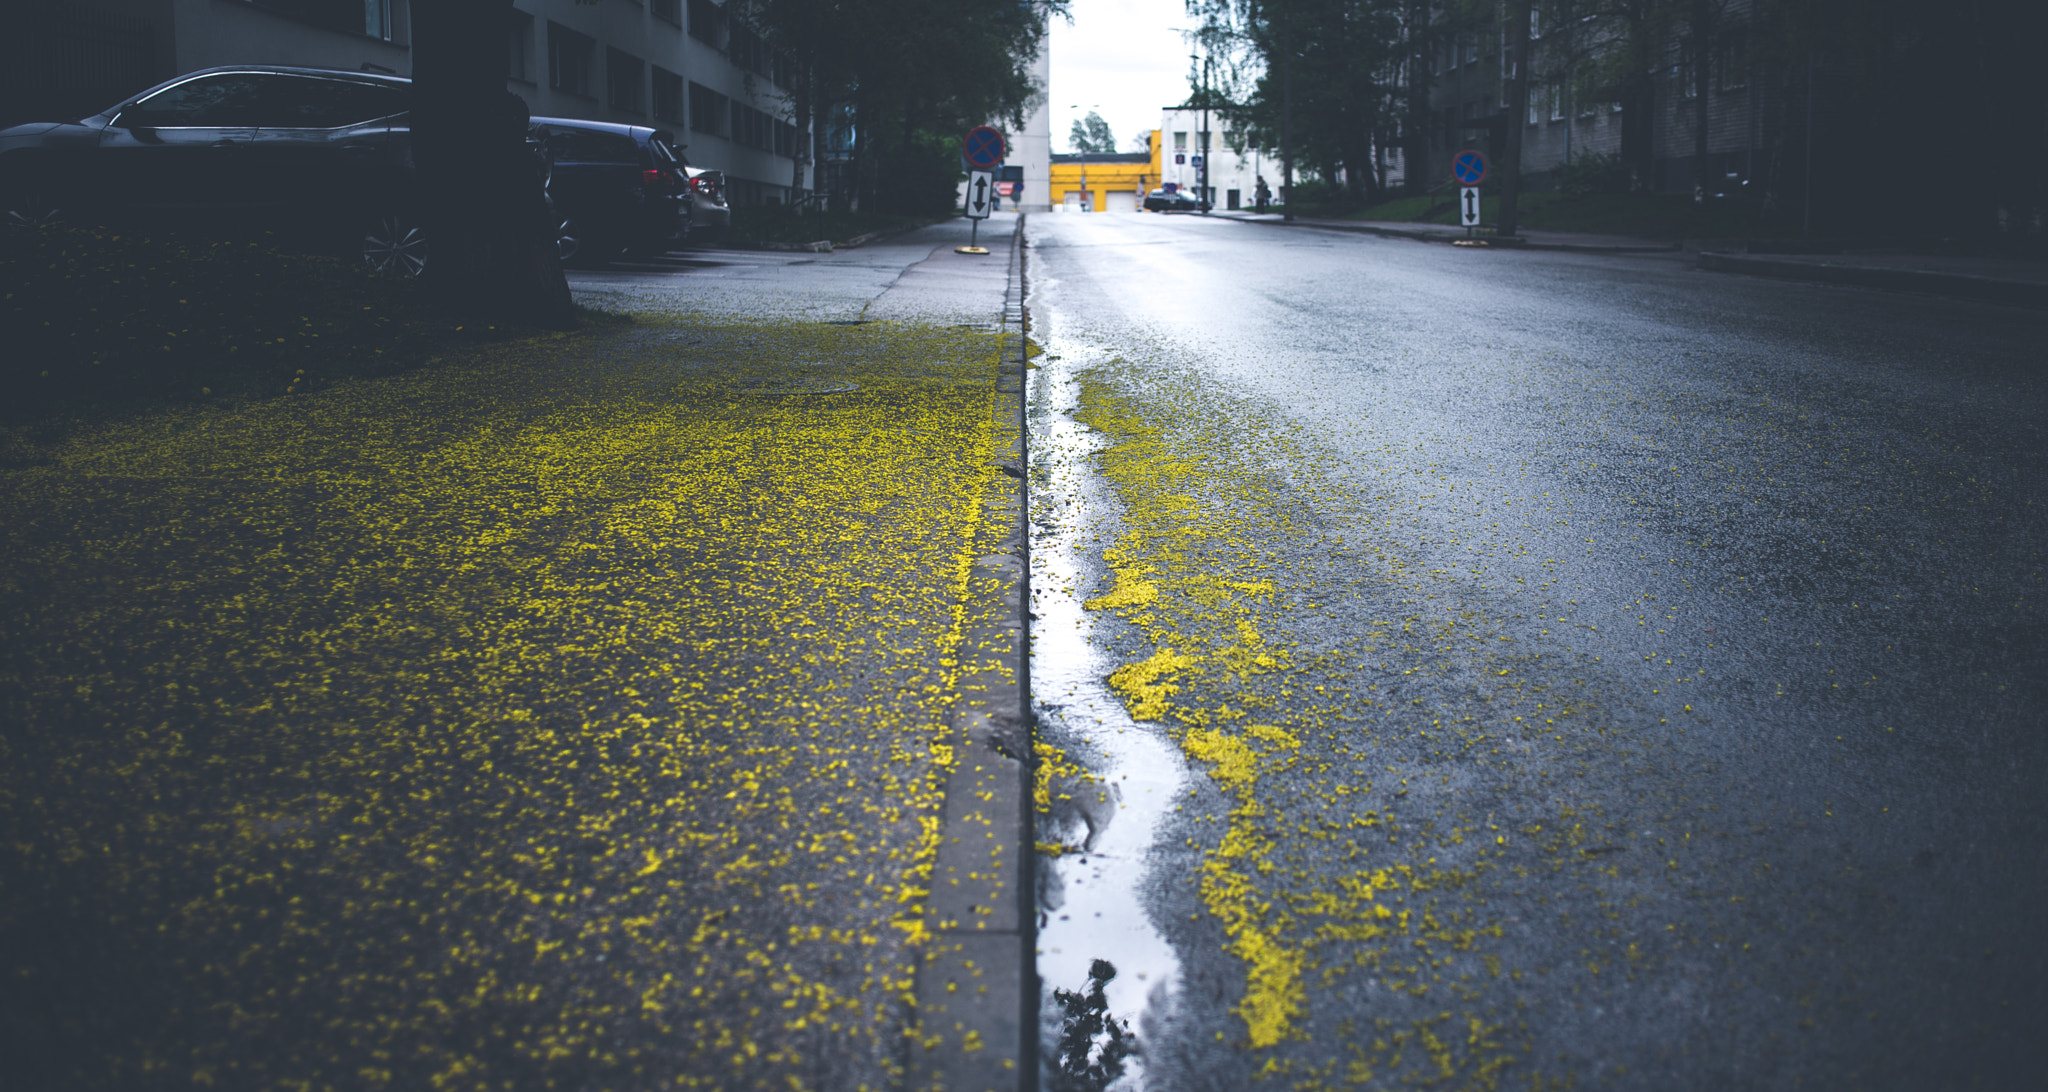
1164, 200
711, 216
619, 189
314, 146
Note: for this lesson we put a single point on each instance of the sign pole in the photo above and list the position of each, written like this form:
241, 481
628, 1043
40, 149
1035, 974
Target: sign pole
982, 149
1468, 170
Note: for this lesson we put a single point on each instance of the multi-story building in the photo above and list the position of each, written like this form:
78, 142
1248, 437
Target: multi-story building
1746, 118
1235, 164
682, 65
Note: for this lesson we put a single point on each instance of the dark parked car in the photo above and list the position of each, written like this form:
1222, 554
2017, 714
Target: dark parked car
710, 215
1164, 200
619, 189
307, 145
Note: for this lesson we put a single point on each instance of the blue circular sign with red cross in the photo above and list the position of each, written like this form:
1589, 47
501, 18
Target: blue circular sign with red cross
983, 148
1469, 167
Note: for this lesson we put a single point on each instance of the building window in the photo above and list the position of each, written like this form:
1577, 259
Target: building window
519, 39
1180, 142
1558, 99
707, 23
1536, 95
571, 56
748, 51
1731, 63
668, 11
668, 96
622, 80
371, 17
707, 110
753, 129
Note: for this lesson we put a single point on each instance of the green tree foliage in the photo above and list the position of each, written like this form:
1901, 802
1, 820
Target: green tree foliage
911, 76
1339, 61
1091, 136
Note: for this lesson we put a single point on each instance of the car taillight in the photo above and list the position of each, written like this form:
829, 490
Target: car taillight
705, 187
654, 179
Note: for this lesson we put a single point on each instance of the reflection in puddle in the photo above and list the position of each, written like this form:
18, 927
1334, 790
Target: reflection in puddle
1106, 969
1093, 1044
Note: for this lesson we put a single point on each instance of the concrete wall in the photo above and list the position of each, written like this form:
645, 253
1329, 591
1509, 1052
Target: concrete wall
1032, 148
635, 29
193, 34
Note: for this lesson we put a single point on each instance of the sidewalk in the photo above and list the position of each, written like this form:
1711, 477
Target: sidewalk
1446, 233
636, 706
1997, 280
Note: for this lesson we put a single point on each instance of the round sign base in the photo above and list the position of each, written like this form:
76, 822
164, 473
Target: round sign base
970, 250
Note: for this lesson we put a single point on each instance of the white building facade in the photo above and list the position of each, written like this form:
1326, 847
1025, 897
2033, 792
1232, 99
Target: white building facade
1030, 151
1233, 175
680, 65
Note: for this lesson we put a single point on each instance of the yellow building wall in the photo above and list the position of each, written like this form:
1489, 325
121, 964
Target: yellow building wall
1104, 178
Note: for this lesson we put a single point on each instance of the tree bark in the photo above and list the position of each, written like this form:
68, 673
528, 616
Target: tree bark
1638, 102
1517, 119
1286, 115
1415, 124
800, 153
1702, 32
491, 255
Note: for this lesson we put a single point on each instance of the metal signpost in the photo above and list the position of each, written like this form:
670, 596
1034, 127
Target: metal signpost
1469, 169
983, 151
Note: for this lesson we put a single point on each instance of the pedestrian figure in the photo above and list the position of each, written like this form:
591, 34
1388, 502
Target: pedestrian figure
1261, 194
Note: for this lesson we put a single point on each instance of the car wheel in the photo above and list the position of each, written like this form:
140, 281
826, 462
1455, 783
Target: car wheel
395, 243
29, 205
568, 241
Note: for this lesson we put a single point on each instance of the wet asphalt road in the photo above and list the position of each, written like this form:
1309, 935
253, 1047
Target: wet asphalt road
1669, 642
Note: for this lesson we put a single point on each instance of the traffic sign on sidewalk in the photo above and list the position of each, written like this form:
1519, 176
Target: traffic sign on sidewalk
1468, 206
1469, 167
981, 194
983, 148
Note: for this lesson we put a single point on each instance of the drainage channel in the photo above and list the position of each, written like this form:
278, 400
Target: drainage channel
1107, 974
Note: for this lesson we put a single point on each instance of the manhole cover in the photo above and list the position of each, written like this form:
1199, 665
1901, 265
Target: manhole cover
798, 386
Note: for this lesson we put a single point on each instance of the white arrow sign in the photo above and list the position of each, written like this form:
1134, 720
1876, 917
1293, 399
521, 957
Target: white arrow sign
981, 194
1468, 206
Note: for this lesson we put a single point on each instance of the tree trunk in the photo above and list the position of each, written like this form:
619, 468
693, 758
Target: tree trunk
491, 253
800, 154
1517, 119
1638, 104
1286, 116
1415, 123
1702, 31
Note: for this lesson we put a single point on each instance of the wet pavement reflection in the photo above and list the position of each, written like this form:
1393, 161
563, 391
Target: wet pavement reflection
1104, 966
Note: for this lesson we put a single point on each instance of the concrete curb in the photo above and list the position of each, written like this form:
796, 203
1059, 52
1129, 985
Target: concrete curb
827, 246
977, 990
1960, 285
1422, 235
865, 238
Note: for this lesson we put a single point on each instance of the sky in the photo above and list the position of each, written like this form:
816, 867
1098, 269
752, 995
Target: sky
1123, 59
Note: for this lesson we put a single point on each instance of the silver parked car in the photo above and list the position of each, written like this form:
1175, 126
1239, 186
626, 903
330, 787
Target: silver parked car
710, 215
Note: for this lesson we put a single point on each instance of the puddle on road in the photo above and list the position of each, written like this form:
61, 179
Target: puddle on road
1107, 972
